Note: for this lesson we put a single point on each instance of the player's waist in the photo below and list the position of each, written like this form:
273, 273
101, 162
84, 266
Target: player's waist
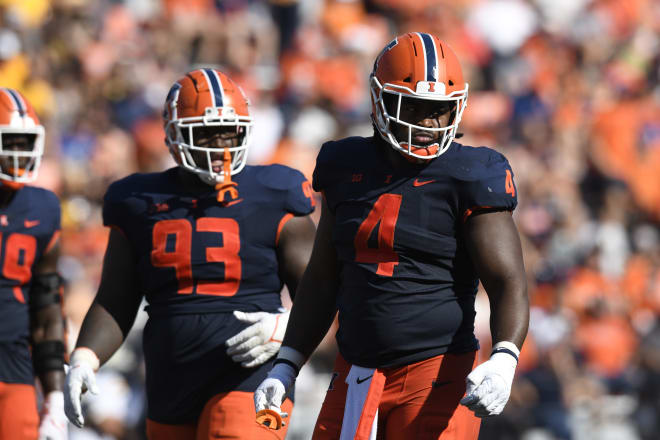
13, 335
396, 356
393, 298
169, 308
388, 332
15, 362
441, 282
14, 328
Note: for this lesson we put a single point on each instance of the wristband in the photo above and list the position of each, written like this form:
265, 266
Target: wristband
506, 347
48, 356
285, 373
87, 355
296, 358
287, 362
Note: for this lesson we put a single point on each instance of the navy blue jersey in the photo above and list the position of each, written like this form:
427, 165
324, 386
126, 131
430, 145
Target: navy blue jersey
197, 261
407, 285
187, 364
29, 224
195, 255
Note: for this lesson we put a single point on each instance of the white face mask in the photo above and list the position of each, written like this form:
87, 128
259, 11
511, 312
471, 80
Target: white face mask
21, 165
385, 116
183, 146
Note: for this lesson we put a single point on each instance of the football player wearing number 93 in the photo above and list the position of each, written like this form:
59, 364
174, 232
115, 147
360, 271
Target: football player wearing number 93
31, 322
410, 222
209, 244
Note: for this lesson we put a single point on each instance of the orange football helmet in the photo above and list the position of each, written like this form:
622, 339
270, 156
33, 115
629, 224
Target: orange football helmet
19, 166
207, 98
416, 66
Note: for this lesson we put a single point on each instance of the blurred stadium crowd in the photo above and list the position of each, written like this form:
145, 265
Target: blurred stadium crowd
568, 90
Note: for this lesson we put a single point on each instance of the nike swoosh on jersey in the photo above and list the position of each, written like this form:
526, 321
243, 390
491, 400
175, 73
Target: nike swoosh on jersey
359, 381
30, 223
417, 182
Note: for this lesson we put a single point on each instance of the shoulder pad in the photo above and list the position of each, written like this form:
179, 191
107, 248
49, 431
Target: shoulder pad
332, 157
486, 181
122, 188
278, 177
298, 196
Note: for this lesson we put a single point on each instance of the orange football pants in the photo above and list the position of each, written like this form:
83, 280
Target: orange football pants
19, 419
420, 401
226, 416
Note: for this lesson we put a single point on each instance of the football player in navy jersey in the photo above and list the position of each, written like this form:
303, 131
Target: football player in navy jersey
209, 244
410, 222
31, 321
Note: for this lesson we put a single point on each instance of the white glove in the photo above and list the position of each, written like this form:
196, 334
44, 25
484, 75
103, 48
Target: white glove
80, 378
259, 342
53, 424
269, 395
271, 392
489, 385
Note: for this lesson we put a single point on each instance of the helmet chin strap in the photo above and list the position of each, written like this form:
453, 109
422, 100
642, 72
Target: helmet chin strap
227, 186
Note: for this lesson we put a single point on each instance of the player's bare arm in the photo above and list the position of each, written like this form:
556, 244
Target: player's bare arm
48, 340
294, 249
47, 323
106, 324
494, 246
314, 306
113, 311
311, 316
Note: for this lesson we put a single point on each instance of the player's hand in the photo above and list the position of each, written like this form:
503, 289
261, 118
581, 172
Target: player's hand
272, 391
489, 385
80, 378
259, 342
53, 425
269, 396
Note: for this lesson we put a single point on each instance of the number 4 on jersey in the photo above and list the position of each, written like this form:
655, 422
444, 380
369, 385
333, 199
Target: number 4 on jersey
383, 215
508, 184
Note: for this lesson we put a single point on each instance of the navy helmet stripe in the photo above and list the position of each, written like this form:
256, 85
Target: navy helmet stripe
17, 100
431, 58
216, 87
172, 101
389, 46
173, 90
221, 88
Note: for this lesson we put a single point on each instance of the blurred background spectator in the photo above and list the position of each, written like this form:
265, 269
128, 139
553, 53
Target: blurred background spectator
568, 90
